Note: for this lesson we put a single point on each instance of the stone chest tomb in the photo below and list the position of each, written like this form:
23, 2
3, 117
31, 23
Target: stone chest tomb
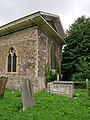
27, 45
65, 88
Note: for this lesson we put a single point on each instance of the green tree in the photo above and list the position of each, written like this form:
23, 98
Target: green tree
76, 55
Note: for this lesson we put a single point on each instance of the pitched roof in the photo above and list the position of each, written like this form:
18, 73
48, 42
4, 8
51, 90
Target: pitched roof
47, 21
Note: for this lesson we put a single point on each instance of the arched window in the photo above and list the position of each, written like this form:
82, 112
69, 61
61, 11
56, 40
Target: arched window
53, 56
12, 60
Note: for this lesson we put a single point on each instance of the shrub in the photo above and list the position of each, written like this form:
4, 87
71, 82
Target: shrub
81, 84
51, 75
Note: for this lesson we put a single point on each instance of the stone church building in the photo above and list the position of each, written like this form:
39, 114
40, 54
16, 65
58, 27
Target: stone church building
27, 45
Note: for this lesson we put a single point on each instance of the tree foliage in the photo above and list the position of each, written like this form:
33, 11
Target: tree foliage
76, 55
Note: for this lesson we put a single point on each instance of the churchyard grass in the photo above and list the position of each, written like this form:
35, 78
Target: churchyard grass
47, 107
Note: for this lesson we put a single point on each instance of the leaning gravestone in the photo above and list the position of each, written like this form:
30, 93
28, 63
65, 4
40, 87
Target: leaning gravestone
3, 81
27, 94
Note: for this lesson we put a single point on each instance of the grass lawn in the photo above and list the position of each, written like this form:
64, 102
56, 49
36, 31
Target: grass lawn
48, 107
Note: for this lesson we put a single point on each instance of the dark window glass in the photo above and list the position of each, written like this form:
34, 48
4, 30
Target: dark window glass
53, 56
9, 62
14, 62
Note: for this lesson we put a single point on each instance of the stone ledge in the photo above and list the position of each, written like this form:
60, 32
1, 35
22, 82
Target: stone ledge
63, 82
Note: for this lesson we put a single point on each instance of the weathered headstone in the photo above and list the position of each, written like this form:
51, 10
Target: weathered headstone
87, 87
3, 81
27, 94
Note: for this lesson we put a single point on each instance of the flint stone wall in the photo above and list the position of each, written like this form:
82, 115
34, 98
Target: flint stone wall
24, 42
65, 88
16, 82
44, 51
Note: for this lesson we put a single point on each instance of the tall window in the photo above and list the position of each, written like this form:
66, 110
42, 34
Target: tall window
12, 60
53, 56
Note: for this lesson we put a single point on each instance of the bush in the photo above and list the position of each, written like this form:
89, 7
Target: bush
83, 72
51, 75
81, 84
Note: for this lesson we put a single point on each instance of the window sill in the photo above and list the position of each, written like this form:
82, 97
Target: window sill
11, 73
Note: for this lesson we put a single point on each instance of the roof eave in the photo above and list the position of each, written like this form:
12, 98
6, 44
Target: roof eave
32, 20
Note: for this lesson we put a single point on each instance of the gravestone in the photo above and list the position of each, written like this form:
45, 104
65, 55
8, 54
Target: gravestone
88, 91
3, 81
27, 94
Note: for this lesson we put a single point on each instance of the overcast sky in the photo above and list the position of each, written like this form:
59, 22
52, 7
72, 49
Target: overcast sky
68, 10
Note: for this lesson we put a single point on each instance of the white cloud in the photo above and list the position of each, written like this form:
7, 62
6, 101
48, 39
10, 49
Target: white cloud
67, 10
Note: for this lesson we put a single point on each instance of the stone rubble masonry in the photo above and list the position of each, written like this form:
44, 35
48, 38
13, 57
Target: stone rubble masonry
32, 47
65, 88
0, 63
44, 49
